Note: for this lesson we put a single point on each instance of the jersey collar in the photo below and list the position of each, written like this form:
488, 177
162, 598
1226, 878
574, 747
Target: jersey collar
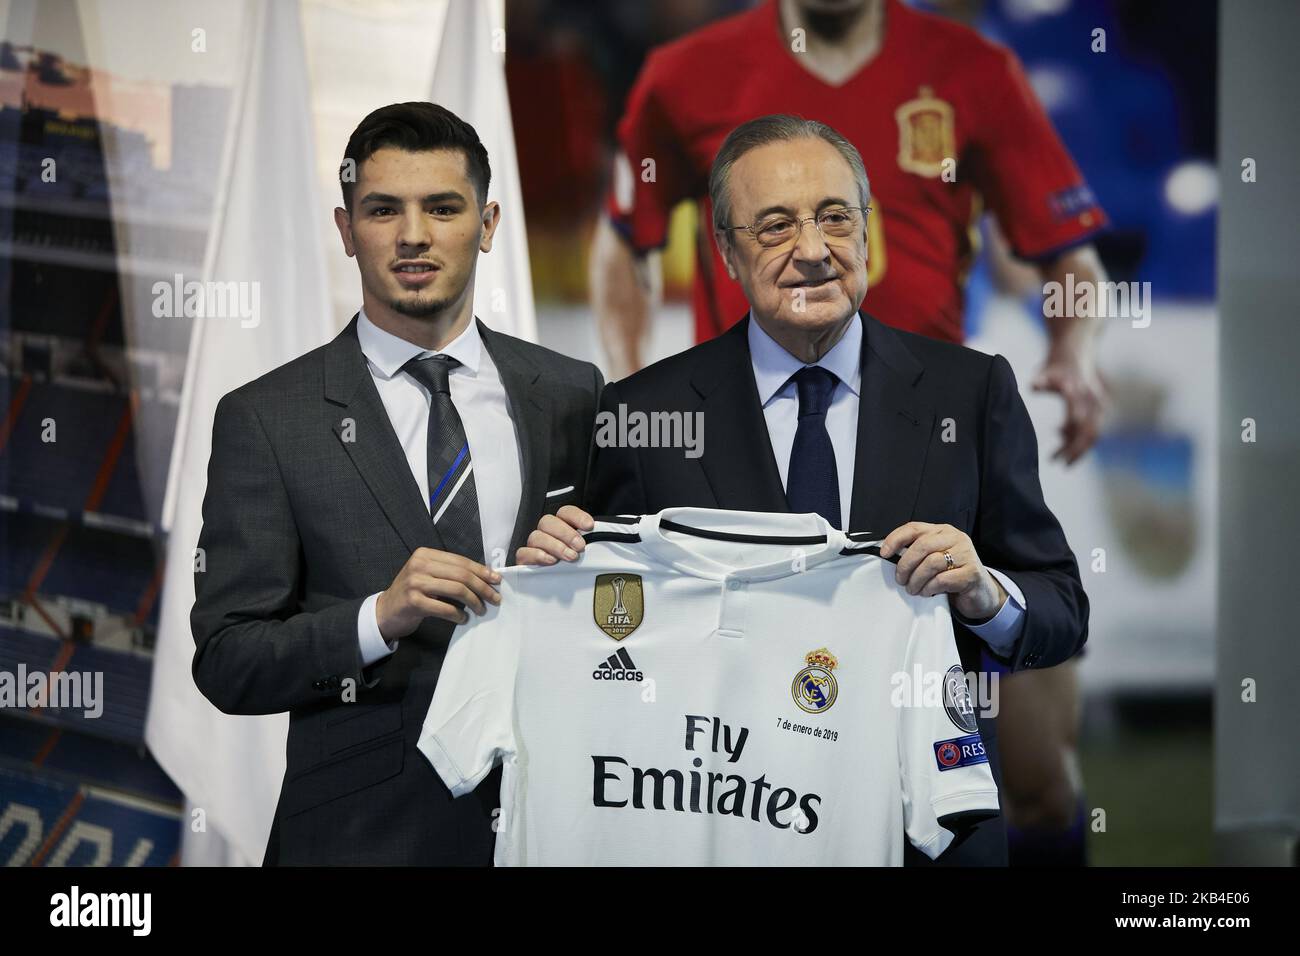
810, 540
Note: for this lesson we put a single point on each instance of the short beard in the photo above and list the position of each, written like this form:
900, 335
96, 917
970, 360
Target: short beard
420, 308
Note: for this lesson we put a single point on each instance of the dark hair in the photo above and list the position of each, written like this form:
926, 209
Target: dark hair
414, 127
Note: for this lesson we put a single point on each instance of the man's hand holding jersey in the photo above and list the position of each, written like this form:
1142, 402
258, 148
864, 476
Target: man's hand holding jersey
437, 584
940, 559
932, 559
558, 537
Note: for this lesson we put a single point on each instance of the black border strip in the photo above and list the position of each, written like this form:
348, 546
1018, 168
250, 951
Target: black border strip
667, 525
631, 537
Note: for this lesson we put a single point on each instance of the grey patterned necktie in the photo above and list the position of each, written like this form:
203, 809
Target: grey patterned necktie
453, 500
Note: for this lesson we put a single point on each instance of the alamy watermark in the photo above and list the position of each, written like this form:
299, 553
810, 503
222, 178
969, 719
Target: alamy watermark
208, 300
1103, 300
639, 429
74, 908
963, 695
80, 690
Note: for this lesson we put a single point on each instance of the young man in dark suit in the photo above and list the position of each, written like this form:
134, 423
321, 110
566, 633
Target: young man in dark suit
359, 497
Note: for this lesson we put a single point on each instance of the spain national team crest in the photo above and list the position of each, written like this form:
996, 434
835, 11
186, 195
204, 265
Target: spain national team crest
926, 134
815, 688
618, 604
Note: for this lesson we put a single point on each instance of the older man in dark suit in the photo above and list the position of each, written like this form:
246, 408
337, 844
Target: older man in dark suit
809, 405
357, 496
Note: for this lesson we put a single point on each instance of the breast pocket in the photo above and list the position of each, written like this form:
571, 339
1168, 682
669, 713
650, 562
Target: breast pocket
558, 495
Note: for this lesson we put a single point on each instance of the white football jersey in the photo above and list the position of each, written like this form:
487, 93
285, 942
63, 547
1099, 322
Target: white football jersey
713, 687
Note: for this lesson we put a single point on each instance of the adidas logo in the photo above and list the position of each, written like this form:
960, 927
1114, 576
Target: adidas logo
618, 666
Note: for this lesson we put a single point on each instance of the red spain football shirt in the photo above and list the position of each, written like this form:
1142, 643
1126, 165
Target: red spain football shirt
936, 89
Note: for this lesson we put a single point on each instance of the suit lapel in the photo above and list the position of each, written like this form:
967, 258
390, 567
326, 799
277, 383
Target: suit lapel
530, 408
738, 459
371, 442
894, 428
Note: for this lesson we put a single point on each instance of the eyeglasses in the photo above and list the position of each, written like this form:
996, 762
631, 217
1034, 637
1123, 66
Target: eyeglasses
833, 222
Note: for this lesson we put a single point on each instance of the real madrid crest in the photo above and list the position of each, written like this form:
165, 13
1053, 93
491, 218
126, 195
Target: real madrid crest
925, 134
618, 604
815, 688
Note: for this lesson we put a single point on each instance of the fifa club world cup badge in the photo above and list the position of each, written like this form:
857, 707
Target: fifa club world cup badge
618, 604
814, 688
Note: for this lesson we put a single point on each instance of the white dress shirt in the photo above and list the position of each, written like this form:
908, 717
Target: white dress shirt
773, 367
484, 410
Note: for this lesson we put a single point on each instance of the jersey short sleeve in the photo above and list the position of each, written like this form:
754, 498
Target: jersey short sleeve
1024, 170
651, 172
470, 723
946, 779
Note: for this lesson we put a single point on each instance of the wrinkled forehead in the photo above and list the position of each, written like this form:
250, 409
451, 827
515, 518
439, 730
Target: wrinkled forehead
798, 177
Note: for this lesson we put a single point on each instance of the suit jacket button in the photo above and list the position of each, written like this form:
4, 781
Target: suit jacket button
318, 685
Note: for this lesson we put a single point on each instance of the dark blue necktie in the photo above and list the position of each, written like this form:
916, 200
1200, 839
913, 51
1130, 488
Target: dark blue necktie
813, 483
